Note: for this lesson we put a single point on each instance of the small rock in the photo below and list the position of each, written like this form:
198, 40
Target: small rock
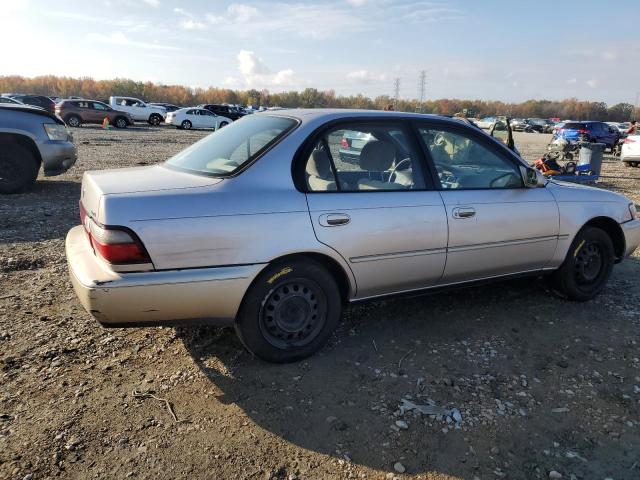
402, 425
554, 475
560, 410
398, 467
495, 450
562, 364
331, 419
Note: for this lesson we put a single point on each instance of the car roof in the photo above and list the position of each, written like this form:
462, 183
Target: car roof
327, 114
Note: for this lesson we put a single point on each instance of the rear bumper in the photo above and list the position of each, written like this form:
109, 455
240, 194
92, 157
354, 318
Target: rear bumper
57, 157
631, 232
630, 158
173, 297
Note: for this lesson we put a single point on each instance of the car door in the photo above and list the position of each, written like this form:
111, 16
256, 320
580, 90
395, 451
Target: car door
377, 211
208, 119
497, 226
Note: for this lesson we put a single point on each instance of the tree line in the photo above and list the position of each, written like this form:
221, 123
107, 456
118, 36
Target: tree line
86, 87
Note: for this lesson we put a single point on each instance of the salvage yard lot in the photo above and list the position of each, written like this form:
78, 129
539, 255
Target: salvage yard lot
541, 384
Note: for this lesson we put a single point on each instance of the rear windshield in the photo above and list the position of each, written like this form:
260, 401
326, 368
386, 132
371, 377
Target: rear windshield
574, 126
229, 148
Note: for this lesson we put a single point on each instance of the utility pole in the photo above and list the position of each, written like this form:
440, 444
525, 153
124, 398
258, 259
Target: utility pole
396, 92
635, 107
422, 84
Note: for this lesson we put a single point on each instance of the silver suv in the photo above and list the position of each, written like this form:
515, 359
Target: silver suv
31, 137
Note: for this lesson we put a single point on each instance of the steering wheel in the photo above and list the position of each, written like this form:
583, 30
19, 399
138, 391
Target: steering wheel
393, 171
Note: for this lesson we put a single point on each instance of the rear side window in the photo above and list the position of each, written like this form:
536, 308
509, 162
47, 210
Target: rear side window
361, 157
574, 126
227, 150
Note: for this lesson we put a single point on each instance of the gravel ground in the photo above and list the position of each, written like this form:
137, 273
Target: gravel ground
503, 381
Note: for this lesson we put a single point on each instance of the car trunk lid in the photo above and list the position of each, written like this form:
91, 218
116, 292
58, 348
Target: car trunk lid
157, 178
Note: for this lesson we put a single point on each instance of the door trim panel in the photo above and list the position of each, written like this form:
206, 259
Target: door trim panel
524, 241
387, 256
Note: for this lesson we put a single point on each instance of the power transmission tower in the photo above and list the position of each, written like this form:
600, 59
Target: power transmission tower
396, 92
422, 85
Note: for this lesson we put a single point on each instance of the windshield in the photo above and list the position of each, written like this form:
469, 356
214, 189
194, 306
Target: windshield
229, 148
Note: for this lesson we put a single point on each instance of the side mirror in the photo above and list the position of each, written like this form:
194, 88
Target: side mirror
531, 177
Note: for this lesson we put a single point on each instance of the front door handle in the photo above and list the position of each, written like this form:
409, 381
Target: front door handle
334, 219
464, 212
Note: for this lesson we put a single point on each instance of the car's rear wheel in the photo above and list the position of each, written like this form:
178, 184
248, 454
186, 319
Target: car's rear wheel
223, 124
587, 267
18, 167
155, 119
73, 121
120, 122
289, 311
186, 125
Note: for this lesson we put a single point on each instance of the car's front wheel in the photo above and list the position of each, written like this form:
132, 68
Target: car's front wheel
223, 124
289, 311
587, 267
186, 125
120, 122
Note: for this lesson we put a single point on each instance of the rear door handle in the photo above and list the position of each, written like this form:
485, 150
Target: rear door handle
334, 219
464, 212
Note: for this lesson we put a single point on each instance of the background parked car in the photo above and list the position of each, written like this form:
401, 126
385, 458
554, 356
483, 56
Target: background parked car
540, 125
31, 138
518, 124
598, 132
139, 110
193, 117
630, 152
35, 100
486, 122
10, 100
77, 112
229, 111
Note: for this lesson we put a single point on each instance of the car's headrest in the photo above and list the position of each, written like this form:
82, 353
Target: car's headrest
319, 165
377, 156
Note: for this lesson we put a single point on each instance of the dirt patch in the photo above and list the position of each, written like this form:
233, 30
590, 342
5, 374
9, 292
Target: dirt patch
520, 382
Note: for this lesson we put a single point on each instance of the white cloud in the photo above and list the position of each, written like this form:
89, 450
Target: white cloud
572, 81
592, 83
192, 25
179, 11
257, 75
610, 56
366, 77
235, 13
153, 3
357, 3
119, 38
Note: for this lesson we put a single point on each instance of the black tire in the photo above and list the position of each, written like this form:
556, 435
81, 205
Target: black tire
587, 267
635, 164
121, 122
628, 164
155, 119
18, 167
186, 125
73, 121
223, 124
289, 312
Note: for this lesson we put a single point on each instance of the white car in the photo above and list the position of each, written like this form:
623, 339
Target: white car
630, 153
193, 117
485, 123
139, 110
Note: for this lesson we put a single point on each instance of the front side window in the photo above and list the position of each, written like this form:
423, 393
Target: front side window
100, 106
230, 148
363, 158
463, 163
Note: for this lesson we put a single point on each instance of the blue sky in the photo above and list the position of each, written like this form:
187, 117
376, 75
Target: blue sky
504, 50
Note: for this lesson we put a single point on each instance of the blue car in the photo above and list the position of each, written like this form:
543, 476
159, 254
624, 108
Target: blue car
598, 132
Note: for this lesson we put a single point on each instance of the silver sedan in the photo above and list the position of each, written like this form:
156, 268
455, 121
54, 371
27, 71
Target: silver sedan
264, 226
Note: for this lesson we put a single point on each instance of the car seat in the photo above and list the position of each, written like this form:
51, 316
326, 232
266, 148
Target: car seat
377, 156
319, 175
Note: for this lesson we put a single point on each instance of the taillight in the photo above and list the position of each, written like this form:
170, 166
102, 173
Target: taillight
116, 245
344, 143
582, 130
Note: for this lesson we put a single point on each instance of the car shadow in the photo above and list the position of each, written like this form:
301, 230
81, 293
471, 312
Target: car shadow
341, 401
42, 212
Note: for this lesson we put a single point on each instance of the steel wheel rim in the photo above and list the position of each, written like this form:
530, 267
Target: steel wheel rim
120, 123
293, 313
589, 263
74, 122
